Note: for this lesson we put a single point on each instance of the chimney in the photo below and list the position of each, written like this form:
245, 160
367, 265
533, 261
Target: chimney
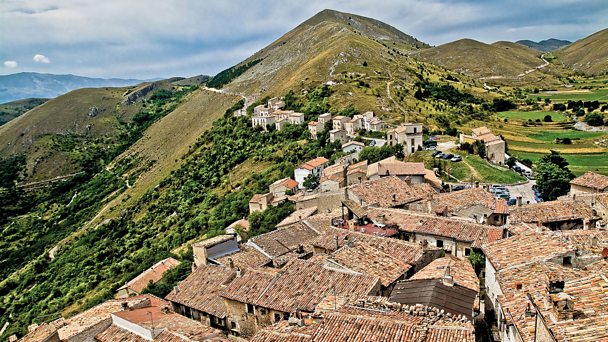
574, 197
477, 184
337, 245
448, 280
519, 201
238, 272
564, 305
394, 197
230, 263
125, 306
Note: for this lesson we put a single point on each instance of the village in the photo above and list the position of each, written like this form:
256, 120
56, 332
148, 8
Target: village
382, 251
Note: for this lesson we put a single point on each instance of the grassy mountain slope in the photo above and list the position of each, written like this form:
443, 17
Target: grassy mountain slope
31, 84
588, 55
546, 45
482, 60
11, 110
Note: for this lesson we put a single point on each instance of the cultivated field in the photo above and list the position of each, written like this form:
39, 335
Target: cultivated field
533, 115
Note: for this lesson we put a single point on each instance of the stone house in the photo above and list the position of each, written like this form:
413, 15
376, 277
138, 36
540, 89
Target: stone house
313, 129
323, 120
338, 135
556, 215
282, 187
353, 147
589, 182
312, 167
414, 173
258, 299
356, 173
409, 135
338, 122
260, 202
495, 146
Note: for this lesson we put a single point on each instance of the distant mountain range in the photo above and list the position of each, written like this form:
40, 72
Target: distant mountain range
546, 45
25, 85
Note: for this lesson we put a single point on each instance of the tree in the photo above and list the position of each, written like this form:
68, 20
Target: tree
594, 119
553, 176
477, 260
311, 181
511, 162
547, 118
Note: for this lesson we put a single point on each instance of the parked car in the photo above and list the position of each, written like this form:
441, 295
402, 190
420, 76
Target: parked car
517, 168
434, 154
456, 159
439, 155
458, 187
505, 196
448, 156
512, 201
430, 148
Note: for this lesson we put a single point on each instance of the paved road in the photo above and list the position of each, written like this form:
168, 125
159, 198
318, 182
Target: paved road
524, 190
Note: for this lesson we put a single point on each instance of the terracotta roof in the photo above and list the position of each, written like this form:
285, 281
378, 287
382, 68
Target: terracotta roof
587, 290
299, 285
40, 333
243, 223
592, 180
214, 240
392, 166
552, 211
390, 192
91, 317
458, 200
524, 249
369, 260
461, 271
286, 182
481, 130
258, 198
459, 229
374, 319
152, 274
313, 123
283, 240
321, 222
297, 216
247, 257
157, 315
311, 164
200, 289
360, 166
336, 238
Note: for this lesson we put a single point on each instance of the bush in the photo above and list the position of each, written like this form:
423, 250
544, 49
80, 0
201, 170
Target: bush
548, 118
594, 119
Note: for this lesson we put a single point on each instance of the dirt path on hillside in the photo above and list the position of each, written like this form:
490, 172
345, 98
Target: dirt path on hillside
474, 172
390, 97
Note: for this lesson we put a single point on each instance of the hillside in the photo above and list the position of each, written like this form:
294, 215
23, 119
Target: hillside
588, 55
501, 61
546, 45
11, 110
25, 85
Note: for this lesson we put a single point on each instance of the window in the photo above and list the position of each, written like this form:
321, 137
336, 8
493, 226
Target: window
277, 317
567, 261
467, 251
249, 308
286, 316
415, 130
232, 324
440, 243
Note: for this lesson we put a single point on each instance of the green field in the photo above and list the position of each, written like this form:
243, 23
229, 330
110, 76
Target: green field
579, 163
566, 133
533, 115
591, 95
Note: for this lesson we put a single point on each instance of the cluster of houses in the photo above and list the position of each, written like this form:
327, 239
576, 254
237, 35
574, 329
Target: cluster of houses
341, 128
387, 257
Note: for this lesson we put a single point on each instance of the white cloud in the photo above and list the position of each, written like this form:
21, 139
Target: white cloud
10, 64
41, 59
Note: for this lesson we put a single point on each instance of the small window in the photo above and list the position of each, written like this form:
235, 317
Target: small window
285, 316
277, 317
249, 308
440, 243
567, 261
415, 130
232, 324
467, 251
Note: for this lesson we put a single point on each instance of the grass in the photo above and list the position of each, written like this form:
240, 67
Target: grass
575, 95
471, 169
579, 163
533, 115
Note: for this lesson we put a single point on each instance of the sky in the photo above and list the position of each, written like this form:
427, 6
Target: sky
147, 39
